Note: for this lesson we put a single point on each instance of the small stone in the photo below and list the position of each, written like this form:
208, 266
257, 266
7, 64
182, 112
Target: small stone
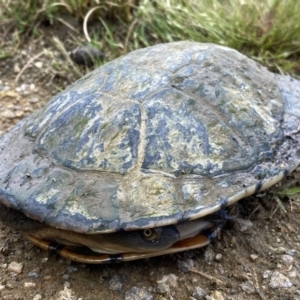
248, 287
33, 275
198, 293
29, 285
291, 252
278, 240
267, 274
216, 295
115, 283
37, 297
138, 294
163, 288
66, 293
66, 277
8, 114
279, 281
33, 100
32, 86
287, 260
86, 55
253, 257
67, 284
242, 224
293, 274
23, 87
185, 265
278, 250
2, 287
17, 68
19, 113
38, 64
219, 256
221, 269
15, 267
170, 279
44, 260
3, 266
9, 285
209, 255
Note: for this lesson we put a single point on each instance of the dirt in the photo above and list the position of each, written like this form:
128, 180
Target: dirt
256, 256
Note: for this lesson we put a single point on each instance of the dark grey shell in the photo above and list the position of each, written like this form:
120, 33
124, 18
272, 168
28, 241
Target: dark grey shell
161, 135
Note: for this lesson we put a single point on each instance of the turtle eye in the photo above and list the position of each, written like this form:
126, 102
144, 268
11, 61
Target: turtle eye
151, 235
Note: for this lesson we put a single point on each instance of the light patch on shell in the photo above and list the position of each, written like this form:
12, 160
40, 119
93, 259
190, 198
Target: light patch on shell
242, 104
192, 194
43, 198
152, 196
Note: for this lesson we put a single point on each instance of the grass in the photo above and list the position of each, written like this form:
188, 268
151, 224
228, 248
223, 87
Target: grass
268, 30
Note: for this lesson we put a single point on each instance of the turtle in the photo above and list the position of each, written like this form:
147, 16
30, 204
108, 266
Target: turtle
140, 157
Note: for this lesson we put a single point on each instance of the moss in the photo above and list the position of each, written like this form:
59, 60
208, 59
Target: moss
80, 124
104, 125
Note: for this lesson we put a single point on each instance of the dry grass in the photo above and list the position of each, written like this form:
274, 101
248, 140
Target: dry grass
268, 31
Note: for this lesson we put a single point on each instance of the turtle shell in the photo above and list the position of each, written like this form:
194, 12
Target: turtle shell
162, 135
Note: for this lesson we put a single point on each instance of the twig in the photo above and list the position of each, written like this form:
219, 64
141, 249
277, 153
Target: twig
257, 288
207, 276
27, 65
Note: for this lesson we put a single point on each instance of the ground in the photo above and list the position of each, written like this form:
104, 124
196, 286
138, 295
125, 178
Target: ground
256, 256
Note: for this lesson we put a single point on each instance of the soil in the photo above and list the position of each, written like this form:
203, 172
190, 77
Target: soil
257, 255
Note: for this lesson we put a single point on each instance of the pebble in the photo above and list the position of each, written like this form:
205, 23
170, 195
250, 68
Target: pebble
219, 256
33, 275
185, 265
10, 285
279, 281
248, 287
253, 257
37, 297
66, 293
19, 113
33, 100
115, 283
215, 295
2, 287
44, 260
267, 274
136, 293
209, 255
170, 279
242, 224
17, 68
66, 276
8, 114
29, 285
163, 288
291, 252
287, 260
32, 86
198, 293
293, 274
15, 267
86, 55
38, 64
